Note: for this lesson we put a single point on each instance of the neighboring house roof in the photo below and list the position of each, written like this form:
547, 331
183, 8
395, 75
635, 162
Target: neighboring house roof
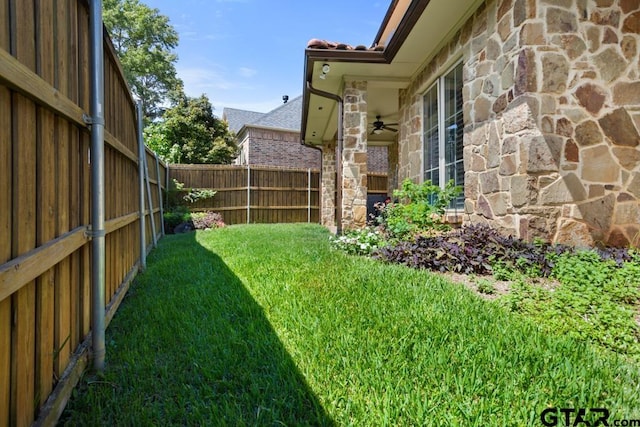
238, 118
286, 117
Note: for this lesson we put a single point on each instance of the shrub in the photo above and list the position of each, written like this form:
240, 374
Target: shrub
174, 218
476, 249
359, 242
420, 209
178, 205
206, 220
177, 198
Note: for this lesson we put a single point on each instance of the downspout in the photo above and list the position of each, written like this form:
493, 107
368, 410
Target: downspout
338, 155
97, 231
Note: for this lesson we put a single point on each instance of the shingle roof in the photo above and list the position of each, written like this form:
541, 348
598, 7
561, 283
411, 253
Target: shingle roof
287, 116
238, 118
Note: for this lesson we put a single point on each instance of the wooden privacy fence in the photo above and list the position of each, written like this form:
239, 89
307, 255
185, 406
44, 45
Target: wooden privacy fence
257, 194
251, 194
45, 197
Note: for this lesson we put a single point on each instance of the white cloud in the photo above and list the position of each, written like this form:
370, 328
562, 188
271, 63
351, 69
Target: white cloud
199, 80
247, 72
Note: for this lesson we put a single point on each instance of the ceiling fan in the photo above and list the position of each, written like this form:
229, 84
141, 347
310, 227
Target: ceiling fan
379, 126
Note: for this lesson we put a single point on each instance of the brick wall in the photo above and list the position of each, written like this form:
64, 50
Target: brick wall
280, 149
377, 159
265, 147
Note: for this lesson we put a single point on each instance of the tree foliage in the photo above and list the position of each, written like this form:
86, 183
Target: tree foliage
144, 41
190, 133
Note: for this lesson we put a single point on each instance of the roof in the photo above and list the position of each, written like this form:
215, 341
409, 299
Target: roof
325, 44
238, 118
412, 33
287, 116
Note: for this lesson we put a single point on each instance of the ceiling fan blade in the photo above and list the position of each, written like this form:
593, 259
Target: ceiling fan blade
391, 129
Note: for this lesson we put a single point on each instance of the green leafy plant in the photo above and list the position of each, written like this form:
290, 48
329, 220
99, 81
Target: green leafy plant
595, 300
207, 220
178, 196
485, 287
178, 201
174, 218
419, 210
359, 242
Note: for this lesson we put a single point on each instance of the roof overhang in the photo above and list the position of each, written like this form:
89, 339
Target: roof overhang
413, 31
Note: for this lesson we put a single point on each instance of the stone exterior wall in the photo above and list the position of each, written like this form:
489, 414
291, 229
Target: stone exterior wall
328, 187
354, 156
552, 111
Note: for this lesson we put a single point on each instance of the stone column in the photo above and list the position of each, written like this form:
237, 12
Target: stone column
328, 188
354, 156
392, 173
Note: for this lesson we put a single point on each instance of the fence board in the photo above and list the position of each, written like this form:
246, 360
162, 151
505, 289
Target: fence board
5, 242
45, 176
276, 194
5, 361
24, 230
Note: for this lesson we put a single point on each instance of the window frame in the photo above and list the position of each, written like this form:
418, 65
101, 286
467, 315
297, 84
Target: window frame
441, 129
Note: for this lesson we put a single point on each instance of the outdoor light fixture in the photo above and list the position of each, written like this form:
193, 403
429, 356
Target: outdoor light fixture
325, 70
377, 131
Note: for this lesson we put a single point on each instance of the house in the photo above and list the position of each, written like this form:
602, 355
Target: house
533, 106
273, 139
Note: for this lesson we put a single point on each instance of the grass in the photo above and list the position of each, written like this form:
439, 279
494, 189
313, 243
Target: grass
266, 325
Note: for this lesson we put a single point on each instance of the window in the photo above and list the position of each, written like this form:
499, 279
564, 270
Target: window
443, 130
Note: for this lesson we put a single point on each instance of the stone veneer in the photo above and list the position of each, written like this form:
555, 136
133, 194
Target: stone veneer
328, 187
354, 156
551, 110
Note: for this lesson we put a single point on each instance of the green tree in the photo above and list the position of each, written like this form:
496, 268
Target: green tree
144, 40
189, 133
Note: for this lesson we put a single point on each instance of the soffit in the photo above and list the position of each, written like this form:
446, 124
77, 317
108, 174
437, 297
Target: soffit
436, 25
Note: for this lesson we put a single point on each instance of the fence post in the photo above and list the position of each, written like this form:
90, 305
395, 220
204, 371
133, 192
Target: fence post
248, 193
309, 195
143, 214
159, 192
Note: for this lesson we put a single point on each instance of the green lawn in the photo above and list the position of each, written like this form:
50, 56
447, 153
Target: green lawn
266, 325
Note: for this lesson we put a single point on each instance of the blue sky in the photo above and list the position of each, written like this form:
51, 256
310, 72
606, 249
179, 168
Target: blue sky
248, 53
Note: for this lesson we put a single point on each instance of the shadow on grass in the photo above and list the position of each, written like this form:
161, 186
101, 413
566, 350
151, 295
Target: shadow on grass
190, 346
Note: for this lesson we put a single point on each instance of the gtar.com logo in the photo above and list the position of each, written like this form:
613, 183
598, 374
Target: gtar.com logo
587, 417
575, 417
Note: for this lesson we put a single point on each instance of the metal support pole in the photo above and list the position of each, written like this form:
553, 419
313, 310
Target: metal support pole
97, 231
248, 194
309, 195
143, 210
159, 193
167, 187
